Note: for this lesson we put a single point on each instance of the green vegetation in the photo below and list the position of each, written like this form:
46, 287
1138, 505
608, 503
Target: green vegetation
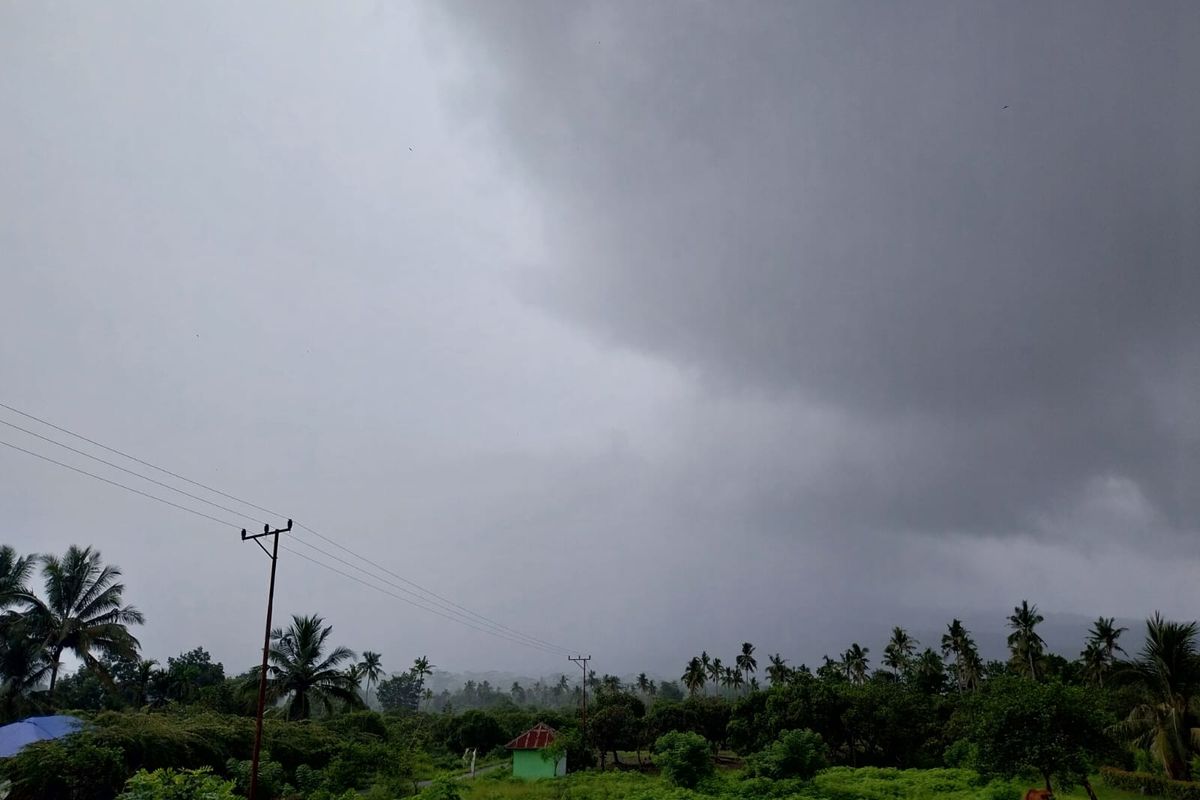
927, 723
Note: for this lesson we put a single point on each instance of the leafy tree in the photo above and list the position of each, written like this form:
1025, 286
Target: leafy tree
83, 611
683, 758
616, 725
189, 673
169, 784
302, 675
400, 692
795, 754
475, 729
1052, 730
1024, 643
929, 672
1167, 671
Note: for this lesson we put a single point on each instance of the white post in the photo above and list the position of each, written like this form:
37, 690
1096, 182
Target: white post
473, 753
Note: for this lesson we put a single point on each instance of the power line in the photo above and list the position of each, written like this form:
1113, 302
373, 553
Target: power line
138, 460
130, 472
453, 615
460, 610
410, 602
432, 593
121, 485
235, 526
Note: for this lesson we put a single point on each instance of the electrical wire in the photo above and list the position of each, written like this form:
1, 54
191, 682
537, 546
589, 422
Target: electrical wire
120, 485
460, 613
410, 602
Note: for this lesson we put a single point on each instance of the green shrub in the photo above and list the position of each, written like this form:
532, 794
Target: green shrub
73, 768
167, 784
270, 776
795, 754
1148, 783
441, 789
877, 783
683, 758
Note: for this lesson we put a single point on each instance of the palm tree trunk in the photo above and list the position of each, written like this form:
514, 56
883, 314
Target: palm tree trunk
54, 675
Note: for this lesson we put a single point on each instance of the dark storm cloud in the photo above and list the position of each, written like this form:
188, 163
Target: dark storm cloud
971, 230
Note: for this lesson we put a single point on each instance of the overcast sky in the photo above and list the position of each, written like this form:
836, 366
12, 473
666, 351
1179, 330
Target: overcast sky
638, 327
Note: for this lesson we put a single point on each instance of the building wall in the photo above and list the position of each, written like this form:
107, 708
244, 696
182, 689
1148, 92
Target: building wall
529, 765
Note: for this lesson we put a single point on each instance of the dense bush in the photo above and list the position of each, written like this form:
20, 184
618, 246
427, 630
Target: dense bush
74, 768
795, 754
1150, 784
683, 758
441, 789
874, 783
167, 784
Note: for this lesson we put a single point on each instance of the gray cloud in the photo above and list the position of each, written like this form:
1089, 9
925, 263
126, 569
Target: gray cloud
965, 229
645, 328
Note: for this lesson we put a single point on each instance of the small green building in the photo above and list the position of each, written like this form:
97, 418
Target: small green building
530, 759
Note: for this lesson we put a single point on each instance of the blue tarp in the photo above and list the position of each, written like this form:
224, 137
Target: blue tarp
15, 736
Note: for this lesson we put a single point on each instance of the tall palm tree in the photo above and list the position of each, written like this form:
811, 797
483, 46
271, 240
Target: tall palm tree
745, 660
643, 684
83, 612
715, 673
929, 669
1168, 671
694, 676
422, 669
1102, 638
968, 667
778, 670
370, 669
706, 663
898, 654
1095, 663
301, 674
1024, 642
735, 679
855, 662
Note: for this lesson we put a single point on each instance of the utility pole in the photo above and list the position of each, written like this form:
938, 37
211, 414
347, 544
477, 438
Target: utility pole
582, 661
273, 554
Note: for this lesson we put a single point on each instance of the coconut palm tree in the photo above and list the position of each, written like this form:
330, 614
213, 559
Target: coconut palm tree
778, 671
706, 662
1024, 642
695, 676
14, 577
302, 675
1102, 639
1095, 663
422, 668
370, 669
1168, 671
898, 654
929, 669
968, 667
855, 663
643, 684
745, 660
716, 671
82, 612
733, 680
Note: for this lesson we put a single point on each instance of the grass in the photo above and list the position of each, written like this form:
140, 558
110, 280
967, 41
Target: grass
835, 784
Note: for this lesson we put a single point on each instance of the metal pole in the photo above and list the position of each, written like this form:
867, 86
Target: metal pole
262, 675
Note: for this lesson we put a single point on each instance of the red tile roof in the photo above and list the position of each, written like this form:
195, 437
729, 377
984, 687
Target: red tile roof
535, 738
